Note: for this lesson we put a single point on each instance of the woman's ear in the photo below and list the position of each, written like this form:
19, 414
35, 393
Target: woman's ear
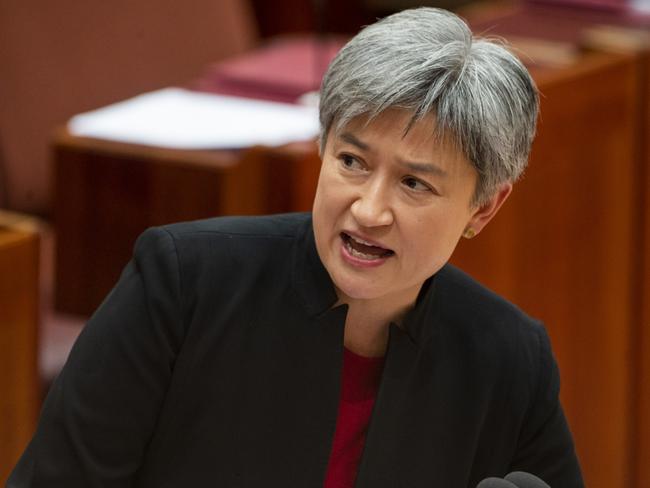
484, 213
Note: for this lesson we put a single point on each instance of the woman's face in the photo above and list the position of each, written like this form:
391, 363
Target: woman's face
390, 209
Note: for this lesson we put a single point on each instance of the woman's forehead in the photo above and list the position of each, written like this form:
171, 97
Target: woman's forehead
400, 126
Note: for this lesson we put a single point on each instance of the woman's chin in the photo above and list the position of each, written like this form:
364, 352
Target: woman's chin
356, 290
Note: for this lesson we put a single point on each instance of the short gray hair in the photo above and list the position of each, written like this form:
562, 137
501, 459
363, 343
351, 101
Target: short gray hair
426, 60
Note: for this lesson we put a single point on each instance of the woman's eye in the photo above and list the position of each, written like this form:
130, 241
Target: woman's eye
415, 184
350, 162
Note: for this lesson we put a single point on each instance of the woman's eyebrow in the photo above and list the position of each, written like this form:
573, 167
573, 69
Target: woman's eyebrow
427, 168
351, 139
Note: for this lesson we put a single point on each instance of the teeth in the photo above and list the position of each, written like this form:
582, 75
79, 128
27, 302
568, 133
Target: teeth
361, 241
359, 254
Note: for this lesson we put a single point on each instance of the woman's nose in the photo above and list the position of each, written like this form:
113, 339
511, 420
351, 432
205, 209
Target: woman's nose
371, 207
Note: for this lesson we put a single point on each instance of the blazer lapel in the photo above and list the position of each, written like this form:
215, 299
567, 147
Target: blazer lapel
378, 467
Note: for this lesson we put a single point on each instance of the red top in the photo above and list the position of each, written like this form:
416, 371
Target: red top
359, 385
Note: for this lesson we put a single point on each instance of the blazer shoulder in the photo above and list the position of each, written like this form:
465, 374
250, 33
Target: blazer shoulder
469, 299
488, 323
267, 226
247, 253
229, 241
506, 342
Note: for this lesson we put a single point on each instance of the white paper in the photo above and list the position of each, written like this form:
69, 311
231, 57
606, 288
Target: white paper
183, 119
641, 6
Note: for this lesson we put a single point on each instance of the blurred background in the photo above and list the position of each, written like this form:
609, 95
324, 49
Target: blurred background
571, 246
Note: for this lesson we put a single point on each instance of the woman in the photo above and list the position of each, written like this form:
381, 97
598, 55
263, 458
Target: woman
340, 349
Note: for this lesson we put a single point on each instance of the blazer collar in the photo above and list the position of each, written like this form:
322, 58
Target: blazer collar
311, 280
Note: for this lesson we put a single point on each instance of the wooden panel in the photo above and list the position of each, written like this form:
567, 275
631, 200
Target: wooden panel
642, 256
292, 175
287, 16
108, 193
103, 203
562, 248
18, 340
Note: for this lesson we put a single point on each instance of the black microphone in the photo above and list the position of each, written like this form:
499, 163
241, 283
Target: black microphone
495, 483
526, 480
516, 479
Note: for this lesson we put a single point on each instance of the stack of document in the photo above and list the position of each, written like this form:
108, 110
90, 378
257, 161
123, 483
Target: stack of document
183, 119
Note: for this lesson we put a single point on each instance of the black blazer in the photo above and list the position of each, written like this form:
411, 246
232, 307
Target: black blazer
216, 362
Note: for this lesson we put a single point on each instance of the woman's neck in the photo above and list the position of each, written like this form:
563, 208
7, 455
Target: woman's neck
368, 321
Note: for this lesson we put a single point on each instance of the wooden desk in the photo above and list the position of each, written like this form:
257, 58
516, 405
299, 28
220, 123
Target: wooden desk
107, 193
19, 401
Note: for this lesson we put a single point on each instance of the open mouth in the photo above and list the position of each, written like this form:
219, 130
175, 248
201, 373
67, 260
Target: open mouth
364, 250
